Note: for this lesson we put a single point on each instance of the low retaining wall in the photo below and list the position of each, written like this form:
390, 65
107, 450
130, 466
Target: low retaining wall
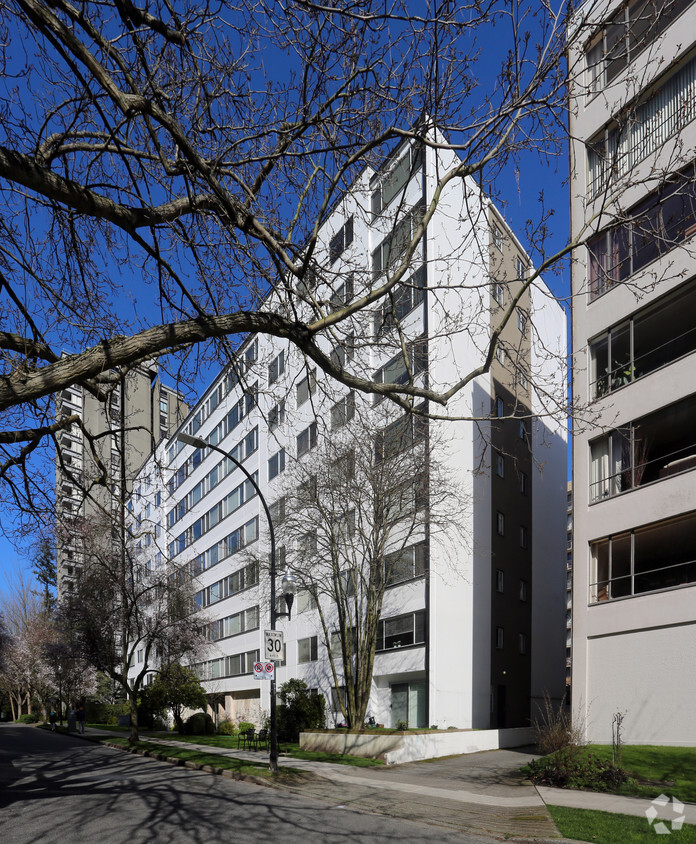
397, 747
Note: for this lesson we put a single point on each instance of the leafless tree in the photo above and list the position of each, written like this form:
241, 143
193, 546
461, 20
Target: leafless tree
362, 509
166, 172
125, 615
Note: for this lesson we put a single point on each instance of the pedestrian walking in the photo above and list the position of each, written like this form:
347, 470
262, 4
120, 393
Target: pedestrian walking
52, 718
80, 715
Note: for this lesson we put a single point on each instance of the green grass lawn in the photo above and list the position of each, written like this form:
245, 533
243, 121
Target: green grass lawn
286, 748
653, 770
608, 828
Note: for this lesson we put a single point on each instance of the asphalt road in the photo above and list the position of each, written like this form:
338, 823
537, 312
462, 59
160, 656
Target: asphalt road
55, 788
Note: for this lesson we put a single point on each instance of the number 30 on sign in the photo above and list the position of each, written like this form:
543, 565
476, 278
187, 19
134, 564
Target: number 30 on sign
273, 645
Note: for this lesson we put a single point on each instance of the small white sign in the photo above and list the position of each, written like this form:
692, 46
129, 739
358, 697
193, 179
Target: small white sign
264, 671
273, 644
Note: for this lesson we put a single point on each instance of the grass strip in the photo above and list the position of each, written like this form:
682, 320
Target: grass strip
286, 748
210, 760
610, 828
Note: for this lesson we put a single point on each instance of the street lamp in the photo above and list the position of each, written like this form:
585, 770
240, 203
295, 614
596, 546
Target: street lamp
288, 585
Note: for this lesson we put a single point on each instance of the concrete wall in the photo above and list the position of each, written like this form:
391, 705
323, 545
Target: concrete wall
399, 748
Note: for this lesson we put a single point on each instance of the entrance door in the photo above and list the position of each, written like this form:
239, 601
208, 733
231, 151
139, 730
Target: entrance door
408, 703
399, 703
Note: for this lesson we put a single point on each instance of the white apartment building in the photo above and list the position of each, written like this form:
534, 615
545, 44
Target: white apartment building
634, 293
472, 631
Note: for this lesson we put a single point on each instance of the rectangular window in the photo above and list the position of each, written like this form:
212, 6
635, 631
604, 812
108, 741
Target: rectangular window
500, 465
341, 240
343, 411
521, 268
500, 523
499, 638
645, 450
276, 367
497, 292
401, 631
406, 564
306, 387
523, 590
658, 556
343, 294
499, 581
307, 439
523, 536
523, 483
657, 335
307, 650
386, 186
497, 237
276, 464
305, 601
522, 643
663, 220
499, 407
393, 248
338, 695
277, 511
401, 434
276, 415
402, 369
400, 301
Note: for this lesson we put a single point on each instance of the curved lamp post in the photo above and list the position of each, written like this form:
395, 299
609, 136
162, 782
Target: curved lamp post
288, 583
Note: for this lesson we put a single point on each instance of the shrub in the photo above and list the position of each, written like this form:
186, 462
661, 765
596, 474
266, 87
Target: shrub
245, 725
29, 719
227, 728
299, 710
200, 724
401, 725
105, 713
554, 728
568, 768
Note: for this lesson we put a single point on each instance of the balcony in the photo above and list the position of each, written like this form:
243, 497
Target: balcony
649, 449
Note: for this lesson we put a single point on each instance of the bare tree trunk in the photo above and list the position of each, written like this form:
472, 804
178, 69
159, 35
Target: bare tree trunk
133, 701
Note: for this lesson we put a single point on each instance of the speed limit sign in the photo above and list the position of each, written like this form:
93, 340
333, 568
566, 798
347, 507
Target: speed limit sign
273, 644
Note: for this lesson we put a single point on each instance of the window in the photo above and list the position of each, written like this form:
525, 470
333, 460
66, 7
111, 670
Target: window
392, 182
500, 465
400, 301
343, 411
343, 351
658, 556
276, 464
523, 536
401, 434
499, 581
341, 240
392, 249
499, 407
499, 638
522, 379
276, 415
645, 450
500, 354
307, 439
277, 511
523, 429
521, 268
307, 650
627, 32
276, 367
523, 483
405, 564
657, 335
400, 370
306, 387
497, 292
305, 601
342, 294
640, 129
338, 696
666, 218
522, 643
523, 590
401, 631
307, 543
500, 523
497, 237
521, 322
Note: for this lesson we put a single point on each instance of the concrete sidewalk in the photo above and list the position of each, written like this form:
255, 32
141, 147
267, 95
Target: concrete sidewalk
478, 792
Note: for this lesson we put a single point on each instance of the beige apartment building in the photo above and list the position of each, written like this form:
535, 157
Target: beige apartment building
634, 338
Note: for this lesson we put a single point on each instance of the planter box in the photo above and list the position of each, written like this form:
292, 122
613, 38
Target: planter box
399, 747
